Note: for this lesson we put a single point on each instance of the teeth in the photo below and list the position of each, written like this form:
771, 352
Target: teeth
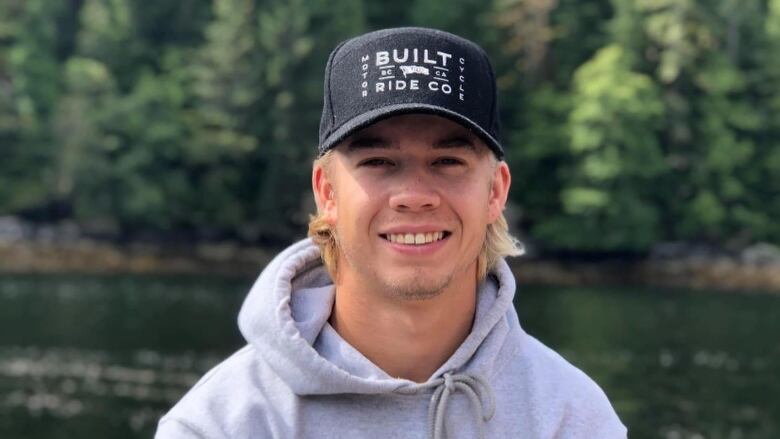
414, 238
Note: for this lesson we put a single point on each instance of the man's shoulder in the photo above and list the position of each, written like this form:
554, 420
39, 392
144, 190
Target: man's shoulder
231, 369
221, 399
546, 362
541, 377
535, 365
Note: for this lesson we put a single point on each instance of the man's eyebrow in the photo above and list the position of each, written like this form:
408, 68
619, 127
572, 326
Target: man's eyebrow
456, 141
367, 142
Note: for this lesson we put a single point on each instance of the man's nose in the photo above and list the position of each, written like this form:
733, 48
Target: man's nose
415, 194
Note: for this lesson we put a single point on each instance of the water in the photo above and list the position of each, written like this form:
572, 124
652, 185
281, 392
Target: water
89, 357
675, 364
92, 356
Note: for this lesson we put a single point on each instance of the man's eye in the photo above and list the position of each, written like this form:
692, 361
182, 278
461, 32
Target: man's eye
448, 161
375, 162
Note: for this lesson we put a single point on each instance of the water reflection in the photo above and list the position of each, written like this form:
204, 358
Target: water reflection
106, 356
675, 364
63, 383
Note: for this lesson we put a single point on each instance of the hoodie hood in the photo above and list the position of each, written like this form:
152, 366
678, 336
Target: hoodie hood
285, 318
299, 378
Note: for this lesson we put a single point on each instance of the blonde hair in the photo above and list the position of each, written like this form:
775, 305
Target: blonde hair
498, 242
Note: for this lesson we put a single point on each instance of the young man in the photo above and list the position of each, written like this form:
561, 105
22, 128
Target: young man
395, 320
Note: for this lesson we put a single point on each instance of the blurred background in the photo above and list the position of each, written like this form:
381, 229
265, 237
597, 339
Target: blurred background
155, 155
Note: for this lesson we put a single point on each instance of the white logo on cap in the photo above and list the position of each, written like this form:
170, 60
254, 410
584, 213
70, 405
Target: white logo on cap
434, 67
408, 70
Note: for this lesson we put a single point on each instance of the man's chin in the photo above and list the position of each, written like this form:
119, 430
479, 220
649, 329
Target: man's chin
417, 287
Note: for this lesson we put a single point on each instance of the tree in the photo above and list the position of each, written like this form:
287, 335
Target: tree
614, 122
29, 88
10, 119
763, 180
107, 33
534, 74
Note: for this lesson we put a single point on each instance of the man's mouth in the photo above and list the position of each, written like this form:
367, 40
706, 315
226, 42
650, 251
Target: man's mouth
415, 238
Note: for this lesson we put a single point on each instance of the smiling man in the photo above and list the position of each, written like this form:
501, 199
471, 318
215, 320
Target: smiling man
395, 319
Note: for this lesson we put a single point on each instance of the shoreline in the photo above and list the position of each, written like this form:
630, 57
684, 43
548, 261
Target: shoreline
713, 272
720, 275
94, 257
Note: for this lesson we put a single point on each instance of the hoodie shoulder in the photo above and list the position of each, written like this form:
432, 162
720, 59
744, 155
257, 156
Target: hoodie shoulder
229, 401
170, 428
561, 400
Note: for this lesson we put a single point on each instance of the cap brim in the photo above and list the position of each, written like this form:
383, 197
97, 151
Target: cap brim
378, 114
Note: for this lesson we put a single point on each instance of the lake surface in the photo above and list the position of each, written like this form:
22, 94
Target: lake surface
105, 356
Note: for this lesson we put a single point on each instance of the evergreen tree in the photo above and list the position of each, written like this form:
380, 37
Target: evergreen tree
710, 117
29, 88
283, 36
124, 136
534, 74
764, 180
107, 34
614, 123
10, 119
85, 174
226, 89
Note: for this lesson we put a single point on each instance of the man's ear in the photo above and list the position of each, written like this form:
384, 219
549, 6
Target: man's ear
499, 191
324, 194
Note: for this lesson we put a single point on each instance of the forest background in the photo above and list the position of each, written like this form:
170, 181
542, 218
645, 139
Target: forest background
627, 122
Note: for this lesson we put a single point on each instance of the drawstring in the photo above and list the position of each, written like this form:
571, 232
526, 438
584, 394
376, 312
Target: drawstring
473, 386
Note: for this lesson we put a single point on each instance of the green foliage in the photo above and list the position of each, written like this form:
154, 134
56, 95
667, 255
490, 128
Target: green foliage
626, 122
226, 82
29, 88
613, 127
131, 167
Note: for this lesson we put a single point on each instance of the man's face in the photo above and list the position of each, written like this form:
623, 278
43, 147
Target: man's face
410, 199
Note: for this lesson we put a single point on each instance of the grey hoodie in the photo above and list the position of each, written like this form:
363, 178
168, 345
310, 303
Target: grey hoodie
297, 378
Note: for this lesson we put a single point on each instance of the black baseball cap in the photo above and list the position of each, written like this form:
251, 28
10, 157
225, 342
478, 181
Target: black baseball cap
408, 70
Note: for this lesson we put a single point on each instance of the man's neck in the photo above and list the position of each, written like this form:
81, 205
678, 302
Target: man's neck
407, 339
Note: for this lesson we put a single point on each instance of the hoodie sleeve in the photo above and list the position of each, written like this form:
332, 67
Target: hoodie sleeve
170, 428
